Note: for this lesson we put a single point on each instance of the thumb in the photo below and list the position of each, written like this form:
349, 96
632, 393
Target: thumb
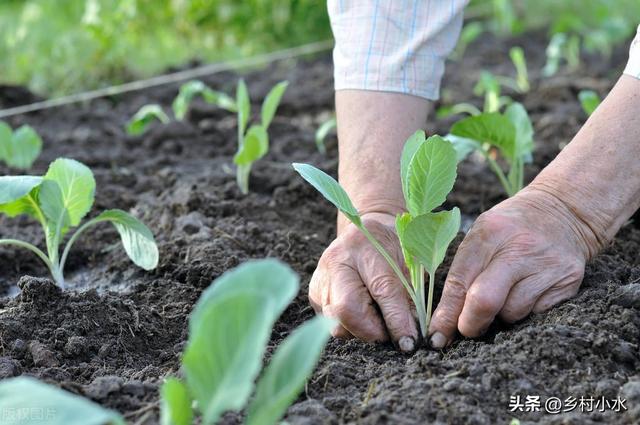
472, 257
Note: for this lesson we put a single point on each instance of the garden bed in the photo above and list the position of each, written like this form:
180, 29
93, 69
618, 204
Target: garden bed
119, 330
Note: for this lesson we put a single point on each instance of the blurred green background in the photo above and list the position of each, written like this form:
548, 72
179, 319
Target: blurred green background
62, 46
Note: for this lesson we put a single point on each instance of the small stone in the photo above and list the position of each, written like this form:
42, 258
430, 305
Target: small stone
76, 345
42, 356
134, 388
19, 347
102, 386
628, 296
631, 392
310, 412
452, 384
8, 368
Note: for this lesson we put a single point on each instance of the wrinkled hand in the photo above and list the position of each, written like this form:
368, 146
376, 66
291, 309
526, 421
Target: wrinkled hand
525, 255
354, 284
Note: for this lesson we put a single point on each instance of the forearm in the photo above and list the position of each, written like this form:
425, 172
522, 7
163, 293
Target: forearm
597, 176
372, 129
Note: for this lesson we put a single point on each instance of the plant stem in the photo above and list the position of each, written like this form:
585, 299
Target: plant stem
55, 270
423, 318
390, 260
242, 178
432, 284
498, 171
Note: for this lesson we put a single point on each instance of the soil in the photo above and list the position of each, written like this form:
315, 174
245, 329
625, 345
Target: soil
119, 330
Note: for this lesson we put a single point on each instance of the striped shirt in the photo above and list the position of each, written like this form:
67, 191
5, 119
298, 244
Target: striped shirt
401, 45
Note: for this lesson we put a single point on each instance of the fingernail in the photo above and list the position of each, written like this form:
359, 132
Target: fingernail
406, 344
438, 340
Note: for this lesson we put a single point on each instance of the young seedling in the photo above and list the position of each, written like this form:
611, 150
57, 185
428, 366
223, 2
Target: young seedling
490, 86
253, 143
589, 100
229, 330
20, 148
562, 48
228, 333
511, 133
190, 90
428, 172
322, 133
58, 201
142, 119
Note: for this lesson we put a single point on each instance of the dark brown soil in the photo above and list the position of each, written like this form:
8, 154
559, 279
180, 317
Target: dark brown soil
119, 330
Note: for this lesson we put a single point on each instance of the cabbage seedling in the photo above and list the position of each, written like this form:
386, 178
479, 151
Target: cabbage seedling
20, 148
142, 119
253, 143
228, 333
428, 172
510, 133
322, 132
490, 86
589, 100
194, 88
58, 201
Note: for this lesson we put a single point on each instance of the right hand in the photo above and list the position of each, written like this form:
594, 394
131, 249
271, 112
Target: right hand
354, 284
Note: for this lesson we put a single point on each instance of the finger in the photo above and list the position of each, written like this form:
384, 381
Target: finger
395, 306
486, 297
567, 288
554, 296
472, 257
543, 290
340, 332
318, 281
350, 303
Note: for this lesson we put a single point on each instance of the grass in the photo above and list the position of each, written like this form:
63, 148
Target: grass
59, 47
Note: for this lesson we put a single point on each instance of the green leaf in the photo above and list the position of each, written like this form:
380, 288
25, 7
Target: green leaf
402, 221
463, 146
281, 285
408, 151
137, 239
222, 100
431, 175
517, 114
13, 188
290, 367
51, 202
589, 101
19, 194
175, 407
322, 132
271, 103
519, 61
193, 88
493, 128
144, 117
26, 401
427, 236
229, 330
77, 187
182, 101
255, 146
26, 146
489, 86
5, 141
243, 103
330, 189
